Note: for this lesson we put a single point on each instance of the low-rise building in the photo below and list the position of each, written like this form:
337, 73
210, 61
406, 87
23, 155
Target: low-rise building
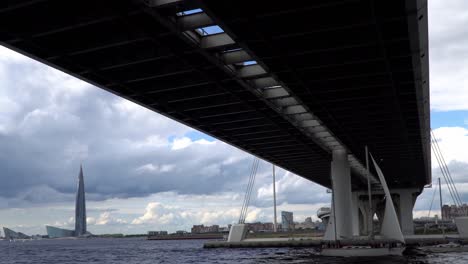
449, 212
11, 235
307, 224
199, 229
260, 227
157, 233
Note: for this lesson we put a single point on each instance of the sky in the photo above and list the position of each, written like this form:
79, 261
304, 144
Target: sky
146, 172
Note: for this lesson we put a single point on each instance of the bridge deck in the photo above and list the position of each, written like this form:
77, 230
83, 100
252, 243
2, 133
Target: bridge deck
360, 67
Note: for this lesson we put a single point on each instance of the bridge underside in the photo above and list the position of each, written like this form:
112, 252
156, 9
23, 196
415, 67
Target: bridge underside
359, 67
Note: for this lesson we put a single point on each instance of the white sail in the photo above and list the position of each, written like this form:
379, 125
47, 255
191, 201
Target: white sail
390, 225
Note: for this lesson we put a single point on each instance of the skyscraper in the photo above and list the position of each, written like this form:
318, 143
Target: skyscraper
287, 221
80, 207
80, 215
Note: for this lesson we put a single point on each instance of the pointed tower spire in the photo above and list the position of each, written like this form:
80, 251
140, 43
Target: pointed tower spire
80, 207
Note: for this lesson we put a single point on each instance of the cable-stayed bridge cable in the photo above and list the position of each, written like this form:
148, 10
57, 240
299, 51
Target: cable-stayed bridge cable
249, 189
445, 171
449, 186
444, 164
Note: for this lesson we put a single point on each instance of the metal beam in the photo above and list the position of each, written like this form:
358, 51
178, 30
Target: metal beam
285, 101
309, 123
97, 47
250, 127
265, 82
251, 71
259, 138
294, 109
216, 40
275, 93
236, 56
193, 21
243, 120
303, 116
158, 3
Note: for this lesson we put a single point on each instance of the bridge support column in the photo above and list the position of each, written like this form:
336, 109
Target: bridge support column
355, 213
406, 211
364, 213
237, 233
341, 184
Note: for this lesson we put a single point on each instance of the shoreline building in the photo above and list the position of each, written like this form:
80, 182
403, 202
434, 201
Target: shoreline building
287, 221
80, 215
450, 212
12, 235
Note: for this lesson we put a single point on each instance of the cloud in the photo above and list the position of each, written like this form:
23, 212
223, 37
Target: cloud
173, 217
52, 122
453, 143
448, 39
158, 213
184, 142
153, 168
105, 218
292, 189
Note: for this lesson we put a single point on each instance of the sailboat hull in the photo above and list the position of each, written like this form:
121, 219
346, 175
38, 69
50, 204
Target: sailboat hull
362, 252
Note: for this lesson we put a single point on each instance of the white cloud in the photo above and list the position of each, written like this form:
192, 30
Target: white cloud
161, 215
8, 56
155, 168
293, 189
184, 142
47, 115
148, 168
105, 218
448, 54
453, 142
167, 167
156, 213
151, 142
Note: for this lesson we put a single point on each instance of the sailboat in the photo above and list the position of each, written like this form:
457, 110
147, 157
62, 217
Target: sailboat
392, 242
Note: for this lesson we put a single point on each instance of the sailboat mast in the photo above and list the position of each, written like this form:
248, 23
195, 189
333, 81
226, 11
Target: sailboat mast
275, 224
440, 200
370, 220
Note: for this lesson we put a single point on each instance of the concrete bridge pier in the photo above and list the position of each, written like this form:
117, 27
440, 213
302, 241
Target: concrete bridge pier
403, 200
342, 207
405, 204
364, 212
351, 211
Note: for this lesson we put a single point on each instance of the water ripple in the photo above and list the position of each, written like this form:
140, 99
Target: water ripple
140, 251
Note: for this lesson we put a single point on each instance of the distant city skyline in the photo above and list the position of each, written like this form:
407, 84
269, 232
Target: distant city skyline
147, 172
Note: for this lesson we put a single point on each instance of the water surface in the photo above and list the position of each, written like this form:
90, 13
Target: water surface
138, 250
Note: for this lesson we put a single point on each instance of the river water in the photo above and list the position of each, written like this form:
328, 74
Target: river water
138, 250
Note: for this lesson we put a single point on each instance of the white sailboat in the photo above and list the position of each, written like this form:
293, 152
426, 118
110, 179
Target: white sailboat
391, 244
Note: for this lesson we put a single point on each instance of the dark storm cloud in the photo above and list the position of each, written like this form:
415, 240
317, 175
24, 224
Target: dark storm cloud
54, 122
